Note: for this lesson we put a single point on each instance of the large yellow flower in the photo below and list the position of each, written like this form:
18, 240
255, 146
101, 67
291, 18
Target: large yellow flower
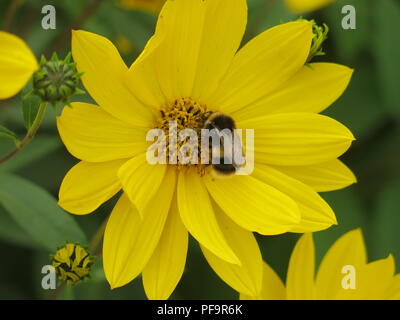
17, 64
344, 274
191, 66
302, 6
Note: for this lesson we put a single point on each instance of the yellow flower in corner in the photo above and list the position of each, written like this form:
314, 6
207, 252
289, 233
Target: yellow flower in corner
190, 71
344, 274
152, 6
17, 64
302, 6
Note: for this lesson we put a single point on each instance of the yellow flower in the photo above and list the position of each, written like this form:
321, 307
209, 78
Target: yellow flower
192, 67
153, 6
344, 274
302, 6
17, 64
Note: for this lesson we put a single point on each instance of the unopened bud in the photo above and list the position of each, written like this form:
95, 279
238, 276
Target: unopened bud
57, 80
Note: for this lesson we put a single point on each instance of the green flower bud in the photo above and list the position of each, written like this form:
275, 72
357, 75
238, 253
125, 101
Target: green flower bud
72, 263
320, 34
57, 80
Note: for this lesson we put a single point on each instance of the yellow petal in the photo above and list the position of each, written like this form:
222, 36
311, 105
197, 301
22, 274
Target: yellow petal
312, 89
63, 255
129, 241
141, 181
316, 214
142, 77
394, 291
263, 65
220, 40
199, 218
272, 288
201, 41
302, 6
300, 277
347, 250
17, 64
87, 185
91, 134
104, 77
298, 139
322, 177
373, 281
247, 277
165, 268
254, 205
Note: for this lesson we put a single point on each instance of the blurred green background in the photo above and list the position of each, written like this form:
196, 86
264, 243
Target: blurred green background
370, 108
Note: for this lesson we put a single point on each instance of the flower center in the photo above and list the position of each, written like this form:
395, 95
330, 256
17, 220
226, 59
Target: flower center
187, 113
184, 113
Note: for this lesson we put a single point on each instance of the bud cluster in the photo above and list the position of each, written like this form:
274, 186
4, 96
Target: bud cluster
57, 80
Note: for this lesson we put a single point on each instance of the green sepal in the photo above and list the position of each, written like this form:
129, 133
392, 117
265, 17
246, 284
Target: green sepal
57, 80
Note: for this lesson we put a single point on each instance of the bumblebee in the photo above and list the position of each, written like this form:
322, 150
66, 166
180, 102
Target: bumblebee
219, 122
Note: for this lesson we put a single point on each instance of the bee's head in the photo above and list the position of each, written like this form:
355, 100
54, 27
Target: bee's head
220, 121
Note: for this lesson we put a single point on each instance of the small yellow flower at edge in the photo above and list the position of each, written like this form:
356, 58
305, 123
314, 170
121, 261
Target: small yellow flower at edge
17, 64
184, 75
303, 6
344, 274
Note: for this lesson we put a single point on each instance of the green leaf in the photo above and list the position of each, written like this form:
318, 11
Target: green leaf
385, 225
67, 293
37, 213
7, 134
11, 232
35, 150
386, 47
30, 107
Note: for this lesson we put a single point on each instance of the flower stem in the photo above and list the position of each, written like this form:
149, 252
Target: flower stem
11, 12
94, 244
57, 292
29, 135
97, 237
